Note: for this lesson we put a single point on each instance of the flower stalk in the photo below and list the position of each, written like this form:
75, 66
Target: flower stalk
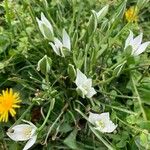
139, 99
48, 114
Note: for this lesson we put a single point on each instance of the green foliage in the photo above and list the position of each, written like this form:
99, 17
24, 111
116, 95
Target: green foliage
29, 65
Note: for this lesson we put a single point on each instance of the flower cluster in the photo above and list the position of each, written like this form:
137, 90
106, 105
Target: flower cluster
59, 47
102, 122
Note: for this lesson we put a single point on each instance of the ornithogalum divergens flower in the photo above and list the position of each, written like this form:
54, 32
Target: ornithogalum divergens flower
102, 122
59, 47
45, 27
84, 85
136, 44
24, 132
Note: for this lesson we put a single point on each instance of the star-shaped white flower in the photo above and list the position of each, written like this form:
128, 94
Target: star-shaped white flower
136, 43
58, 45
84, 85
24, 132
45, 27
102, 122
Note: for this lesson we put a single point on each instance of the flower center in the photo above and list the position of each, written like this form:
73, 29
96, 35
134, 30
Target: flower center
100, 123
7, 104
85, 87
27, 132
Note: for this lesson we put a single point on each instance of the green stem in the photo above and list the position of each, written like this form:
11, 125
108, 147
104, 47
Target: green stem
133, 127
100, 138
120, 109
91, 101
118, 63
121, 96
82, 114
144, 73
85, 59
105, 81
50, 129
49, 111
7, 12
137, 67
86, 52
47, 79
73, 18
23, 115
120, 31
114, 66
139, 99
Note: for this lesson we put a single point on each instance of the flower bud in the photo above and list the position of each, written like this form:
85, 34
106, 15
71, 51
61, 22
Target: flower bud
45, 27
44, 65
102, 13
71, 71
95, 18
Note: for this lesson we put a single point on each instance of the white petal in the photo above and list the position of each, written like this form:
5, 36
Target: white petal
81, 78
38, 21
30, 143
30, 123
141, 49
91, 92
66, 40
110, 127
94, 117
40, 26
81, 91
55, 49
34, 128
105, 116
129, 39
20, 132
58, 43
137, 42
88, 83
46, 22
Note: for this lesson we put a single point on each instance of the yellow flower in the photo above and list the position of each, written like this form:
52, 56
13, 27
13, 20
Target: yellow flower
131, 14
9, 100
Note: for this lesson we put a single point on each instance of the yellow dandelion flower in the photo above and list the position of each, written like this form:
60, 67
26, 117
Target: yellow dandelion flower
131, 14
9, 100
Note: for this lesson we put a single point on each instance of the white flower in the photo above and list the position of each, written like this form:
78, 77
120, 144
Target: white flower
135, 43
45, 27
84, 85
58, 45
102, 122
24, 132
